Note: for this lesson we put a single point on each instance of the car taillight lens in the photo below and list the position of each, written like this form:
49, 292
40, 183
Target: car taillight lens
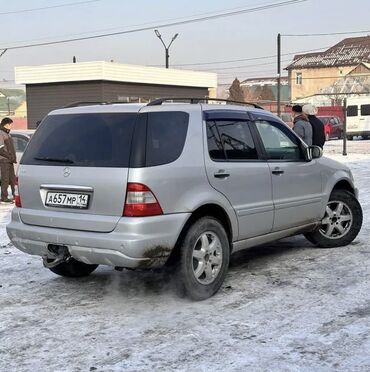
17, 197
140, 202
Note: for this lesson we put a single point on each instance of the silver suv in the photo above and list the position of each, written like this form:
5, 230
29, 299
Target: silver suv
179, 184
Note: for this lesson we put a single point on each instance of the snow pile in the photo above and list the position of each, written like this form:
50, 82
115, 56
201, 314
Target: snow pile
285, 306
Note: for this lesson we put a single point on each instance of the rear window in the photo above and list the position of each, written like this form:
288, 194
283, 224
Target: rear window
86, 140
20, 143
324, 119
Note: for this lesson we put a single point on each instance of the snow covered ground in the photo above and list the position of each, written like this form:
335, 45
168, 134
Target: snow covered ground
285, 306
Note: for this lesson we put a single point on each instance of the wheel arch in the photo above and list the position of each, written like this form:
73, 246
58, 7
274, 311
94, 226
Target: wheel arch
344, 185
209, 210
339, 181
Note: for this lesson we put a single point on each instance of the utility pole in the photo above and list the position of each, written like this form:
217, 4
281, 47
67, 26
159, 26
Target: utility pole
167, 48
278, 73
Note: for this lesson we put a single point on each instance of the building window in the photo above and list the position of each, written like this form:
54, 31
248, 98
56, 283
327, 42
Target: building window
298, 78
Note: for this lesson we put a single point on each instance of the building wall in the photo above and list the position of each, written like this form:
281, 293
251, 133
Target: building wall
111, 71
119, 92
43, 98
315, 79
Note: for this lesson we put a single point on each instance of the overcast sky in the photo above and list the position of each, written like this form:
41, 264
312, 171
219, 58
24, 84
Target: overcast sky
237, 37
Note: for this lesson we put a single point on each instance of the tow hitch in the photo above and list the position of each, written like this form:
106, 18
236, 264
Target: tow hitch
57, 255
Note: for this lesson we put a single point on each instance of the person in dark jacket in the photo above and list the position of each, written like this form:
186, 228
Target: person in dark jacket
318, 130
301, 124
7, 159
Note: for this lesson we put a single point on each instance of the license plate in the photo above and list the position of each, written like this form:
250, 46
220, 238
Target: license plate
68, 200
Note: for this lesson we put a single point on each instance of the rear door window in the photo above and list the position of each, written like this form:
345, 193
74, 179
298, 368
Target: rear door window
86, 140
166, 134
230, 140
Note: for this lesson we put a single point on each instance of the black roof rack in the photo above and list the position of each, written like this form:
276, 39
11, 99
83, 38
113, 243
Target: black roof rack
159, 101
84, 103
87, 103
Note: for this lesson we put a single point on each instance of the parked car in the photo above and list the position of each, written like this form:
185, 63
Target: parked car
358, 117
333, 126
21, 139
181, 185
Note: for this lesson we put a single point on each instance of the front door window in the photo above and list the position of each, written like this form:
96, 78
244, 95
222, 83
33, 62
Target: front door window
278, 142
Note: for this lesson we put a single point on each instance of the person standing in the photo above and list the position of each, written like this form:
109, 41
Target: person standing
318, 130
7, 159
301, 125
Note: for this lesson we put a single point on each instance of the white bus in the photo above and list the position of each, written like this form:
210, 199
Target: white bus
358, 117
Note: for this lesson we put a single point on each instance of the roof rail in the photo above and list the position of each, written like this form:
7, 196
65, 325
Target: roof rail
87, 103
159, 101
83, 103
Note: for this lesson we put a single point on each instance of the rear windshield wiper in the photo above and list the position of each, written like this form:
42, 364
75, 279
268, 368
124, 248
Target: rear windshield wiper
47, 158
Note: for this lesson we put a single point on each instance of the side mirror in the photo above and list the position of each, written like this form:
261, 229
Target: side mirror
314, 152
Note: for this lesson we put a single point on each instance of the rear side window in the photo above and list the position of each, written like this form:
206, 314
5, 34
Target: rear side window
352, 111
86, 140
166, 134
365, 110
230, 140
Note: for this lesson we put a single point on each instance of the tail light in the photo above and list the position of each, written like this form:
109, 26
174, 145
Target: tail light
17, 197
140, 202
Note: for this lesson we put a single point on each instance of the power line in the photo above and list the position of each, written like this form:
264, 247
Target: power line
242, 66
256, 58
120, 28
48, 7
247, 59
319, 77
245, 73
163, 25
328, 34
308, 78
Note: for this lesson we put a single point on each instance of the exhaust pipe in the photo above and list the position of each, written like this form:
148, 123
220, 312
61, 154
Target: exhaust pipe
58, 254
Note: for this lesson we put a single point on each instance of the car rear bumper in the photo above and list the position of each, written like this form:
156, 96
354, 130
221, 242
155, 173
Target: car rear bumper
135, 242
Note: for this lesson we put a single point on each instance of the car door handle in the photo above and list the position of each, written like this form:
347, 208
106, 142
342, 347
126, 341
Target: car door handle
277, 171
221, 174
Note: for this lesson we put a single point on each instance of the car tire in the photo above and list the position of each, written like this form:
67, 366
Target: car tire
204, 259
342, 221
73, 269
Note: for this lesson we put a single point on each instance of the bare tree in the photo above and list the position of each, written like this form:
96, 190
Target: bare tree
235, 91
267, 94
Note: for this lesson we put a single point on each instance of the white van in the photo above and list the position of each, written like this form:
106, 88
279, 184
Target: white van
358, 117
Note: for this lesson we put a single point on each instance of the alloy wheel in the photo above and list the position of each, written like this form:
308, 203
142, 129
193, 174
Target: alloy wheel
337, 221
207, 258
